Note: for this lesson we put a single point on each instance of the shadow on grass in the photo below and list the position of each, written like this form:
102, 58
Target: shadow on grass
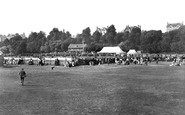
32, 85
135, 102
10, 66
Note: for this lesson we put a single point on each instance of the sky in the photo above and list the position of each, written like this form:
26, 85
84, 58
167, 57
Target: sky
26, 16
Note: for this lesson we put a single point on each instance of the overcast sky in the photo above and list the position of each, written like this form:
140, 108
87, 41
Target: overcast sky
18, 16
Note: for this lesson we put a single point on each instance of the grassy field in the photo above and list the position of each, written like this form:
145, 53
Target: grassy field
94, 90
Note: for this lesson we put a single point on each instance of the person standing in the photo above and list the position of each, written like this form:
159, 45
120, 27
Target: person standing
22, 74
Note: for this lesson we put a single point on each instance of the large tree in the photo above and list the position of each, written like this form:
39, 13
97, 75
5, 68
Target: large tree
21, 49
151, 41
93, 47
135, 36
110, 34
86, 35
35, 41
97, 36
119, 37
6, 42
15, 43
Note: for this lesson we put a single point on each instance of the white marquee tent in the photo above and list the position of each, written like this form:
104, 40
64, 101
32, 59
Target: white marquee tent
116, 50
132, 52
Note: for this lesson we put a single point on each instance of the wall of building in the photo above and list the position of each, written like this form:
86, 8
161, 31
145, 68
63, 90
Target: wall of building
173, 26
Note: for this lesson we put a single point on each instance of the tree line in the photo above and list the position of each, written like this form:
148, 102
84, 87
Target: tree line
152, 41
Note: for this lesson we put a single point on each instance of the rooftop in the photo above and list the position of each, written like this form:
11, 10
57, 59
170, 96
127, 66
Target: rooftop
174, 24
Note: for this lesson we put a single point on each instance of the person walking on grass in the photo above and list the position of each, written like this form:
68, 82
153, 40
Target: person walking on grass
22, 74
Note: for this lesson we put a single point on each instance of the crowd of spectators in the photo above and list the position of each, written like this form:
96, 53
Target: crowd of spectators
98, 60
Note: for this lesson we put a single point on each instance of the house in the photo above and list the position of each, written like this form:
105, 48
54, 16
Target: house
77, 47
173, 26
129, 28
2, 38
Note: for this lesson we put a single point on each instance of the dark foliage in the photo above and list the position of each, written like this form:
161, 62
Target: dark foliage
153, 41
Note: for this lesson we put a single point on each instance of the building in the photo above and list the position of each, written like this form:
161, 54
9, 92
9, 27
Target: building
9, 36
23, 35
77, 47
129, 28
173, 26
2, 38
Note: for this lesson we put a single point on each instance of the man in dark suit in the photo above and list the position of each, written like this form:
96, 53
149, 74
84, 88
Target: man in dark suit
22, 74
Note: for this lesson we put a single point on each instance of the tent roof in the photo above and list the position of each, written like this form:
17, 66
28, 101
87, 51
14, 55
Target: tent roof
116, 50
132, 51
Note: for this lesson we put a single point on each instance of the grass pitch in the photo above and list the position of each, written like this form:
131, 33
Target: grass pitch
94, 90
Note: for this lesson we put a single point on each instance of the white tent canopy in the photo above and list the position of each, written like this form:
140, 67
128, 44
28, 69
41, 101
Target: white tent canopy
132, 52
116, 50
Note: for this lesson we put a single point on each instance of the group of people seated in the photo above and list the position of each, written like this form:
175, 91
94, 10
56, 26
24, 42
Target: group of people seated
40, 62
176, 62
65, 63
134, 60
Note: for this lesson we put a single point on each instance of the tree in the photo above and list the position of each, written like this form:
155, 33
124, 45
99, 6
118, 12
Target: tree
21, 47
5, 49
6, 42
174, 40
93, 47
41, 38
165, 43
15, 43
119, 37
31, 47
125, 45
178, 47
65, 44
42, 49
103, 39
78, 39
110, 34
86, 35
151, 41
134, 37
181, 33
97, 36
45, 48
55, 45
35, 41
54, 34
